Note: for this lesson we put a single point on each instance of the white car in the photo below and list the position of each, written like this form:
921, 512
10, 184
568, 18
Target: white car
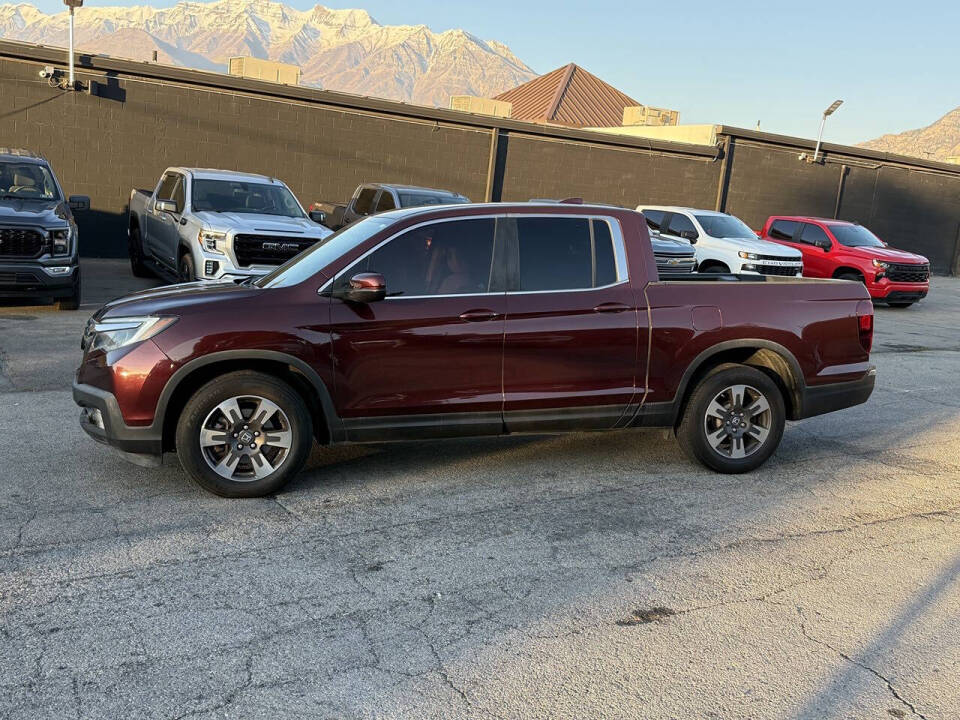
723, 243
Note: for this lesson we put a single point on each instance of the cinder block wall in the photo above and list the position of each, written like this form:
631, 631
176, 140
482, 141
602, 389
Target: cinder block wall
324, 144
911, 208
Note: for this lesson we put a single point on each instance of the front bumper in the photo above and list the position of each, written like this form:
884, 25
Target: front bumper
101, 419
19, 278
898, 291
820, 399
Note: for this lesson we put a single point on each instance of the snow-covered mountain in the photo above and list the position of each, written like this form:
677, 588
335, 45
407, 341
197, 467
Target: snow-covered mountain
343, 50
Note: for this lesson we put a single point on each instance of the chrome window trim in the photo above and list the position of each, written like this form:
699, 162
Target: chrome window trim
616, 234
405, 230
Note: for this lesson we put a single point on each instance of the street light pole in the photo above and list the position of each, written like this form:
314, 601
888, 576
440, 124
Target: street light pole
72, 81
823, 121
73, 5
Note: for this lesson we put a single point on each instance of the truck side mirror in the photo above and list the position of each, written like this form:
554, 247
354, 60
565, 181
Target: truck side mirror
824, 244
690, 235
169, 206
318, 216
79, 202
364, 287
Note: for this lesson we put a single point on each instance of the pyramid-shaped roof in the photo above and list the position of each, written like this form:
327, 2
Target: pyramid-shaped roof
568, 96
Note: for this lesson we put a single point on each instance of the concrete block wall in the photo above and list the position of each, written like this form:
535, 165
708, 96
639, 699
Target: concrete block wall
324, 144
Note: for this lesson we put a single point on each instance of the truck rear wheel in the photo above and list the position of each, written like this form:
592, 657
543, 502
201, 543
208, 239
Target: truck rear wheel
135, 250
734, 419
245, 434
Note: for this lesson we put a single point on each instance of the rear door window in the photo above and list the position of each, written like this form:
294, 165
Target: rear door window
784, 230
364, 203
386, 201
559, 253
654, 218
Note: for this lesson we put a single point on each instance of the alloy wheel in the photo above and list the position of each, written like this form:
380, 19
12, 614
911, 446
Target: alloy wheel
738, 421
246, 438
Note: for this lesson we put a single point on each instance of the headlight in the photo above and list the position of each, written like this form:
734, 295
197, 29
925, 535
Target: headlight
212, 240
61, 240
111, 334
880, 265
748, 255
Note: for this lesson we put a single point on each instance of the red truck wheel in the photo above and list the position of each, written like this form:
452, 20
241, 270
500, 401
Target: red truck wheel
245, 434
734, 419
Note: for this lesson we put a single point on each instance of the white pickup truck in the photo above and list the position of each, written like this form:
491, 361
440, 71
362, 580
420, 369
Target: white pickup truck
216, 224
723, 243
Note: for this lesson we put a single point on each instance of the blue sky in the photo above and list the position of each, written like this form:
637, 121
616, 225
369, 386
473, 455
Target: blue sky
737, 62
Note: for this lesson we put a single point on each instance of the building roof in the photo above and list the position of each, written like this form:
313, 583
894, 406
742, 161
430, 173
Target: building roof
568, 96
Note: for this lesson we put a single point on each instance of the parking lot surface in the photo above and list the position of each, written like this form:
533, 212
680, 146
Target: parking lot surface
591, 575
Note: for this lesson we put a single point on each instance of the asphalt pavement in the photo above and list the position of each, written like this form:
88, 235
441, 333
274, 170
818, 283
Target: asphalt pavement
583, 576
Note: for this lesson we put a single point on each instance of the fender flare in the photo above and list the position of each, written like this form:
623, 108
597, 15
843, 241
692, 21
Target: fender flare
796, 391
327, 408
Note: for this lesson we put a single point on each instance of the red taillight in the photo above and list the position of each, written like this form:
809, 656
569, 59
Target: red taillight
866, 330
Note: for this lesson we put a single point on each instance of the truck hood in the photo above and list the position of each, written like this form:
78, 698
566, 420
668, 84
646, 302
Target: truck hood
49, 213
763, 247
255, 223
173, 298
665, 246
887, 254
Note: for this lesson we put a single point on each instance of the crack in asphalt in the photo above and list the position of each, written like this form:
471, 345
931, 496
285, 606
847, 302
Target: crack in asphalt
873, 671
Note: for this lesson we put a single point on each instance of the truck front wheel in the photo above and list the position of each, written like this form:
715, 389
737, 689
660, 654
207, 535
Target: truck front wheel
72, 301
734, 419
245, 434
185, 272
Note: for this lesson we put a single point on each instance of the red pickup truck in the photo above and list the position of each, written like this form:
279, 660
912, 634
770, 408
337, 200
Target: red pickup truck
848, 251
464, 321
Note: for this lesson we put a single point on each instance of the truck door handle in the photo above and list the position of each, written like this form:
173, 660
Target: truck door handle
478, 315
611, 307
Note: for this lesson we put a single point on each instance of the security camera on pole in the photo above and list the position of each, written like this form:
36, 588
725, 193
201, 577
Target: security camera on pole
72, 4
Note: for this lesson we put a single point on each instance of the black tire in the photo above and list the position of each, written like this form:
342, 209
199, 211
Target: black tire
290, 423
135, 249
692, 432
717, 268
900, 304
72, 301
185, 268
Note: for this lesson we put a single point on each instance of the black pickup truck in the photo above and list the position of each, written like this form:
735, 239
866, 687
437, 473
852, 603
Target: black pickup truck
379, 197
38, 235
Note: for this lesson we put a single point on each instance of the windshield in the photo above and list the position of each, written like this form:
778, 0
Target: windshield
318, 256
27, 181
414, 199
725, 226
855, 236
236, 196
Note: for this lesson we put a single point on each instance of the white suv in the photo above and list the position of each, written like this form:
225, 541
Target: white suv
723, 243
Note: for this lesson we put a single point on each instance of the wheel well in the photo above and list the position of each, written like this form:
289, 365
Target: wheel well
847, 271
707, 264
202, 375
770, 362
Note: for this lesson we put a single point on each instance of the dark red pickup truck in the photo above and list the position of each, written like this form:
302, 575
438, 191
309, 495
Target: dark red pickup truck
464, 321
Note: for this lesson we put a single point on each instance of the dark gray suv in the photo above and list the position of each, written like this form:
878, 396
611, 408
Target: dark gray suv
38, 235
